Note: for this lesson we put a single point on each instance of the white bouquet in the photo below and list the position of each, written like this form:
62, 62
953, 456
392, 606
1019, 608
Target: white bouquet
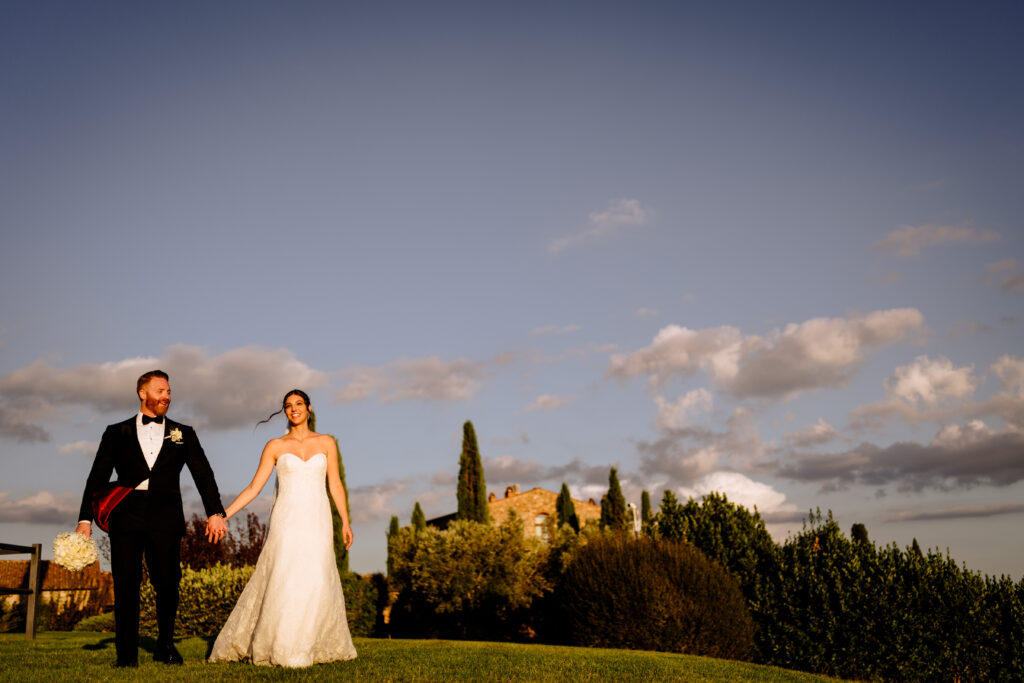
74, 551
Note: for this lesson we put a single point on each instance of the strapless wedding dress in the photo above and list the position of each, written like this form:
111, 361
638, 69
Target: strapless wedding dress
292, 611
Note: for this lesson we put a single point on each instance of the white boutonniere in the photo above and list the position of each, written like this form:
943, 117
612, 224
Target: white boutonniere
175, 435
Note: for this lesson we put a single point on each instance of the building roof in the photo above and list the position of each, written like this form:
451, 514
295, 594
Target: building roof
14, 574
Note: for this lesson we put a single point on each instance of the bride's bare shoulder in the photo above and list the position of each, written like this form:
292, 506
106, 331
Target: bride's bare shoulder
274, 447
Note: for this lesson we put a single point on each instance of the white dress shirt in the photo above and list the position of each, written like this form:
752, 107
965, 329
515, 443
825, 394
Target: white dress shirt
151, 439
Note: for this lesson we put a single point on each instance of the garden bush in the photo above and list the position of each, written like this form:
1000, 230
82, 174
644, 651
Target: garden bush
653, 594
470, 580
207, 597
100, 623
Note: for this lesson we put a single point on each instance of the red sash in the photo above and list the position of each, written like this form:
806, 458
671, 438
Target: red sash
105, 500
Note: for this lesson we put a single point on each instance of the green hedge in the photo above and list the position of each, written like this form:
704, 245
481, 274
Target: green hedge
826, 604
207, 597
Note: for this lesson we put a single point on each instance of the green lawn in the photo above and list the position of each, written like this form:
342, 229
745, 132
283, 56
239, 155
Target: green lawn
74, 656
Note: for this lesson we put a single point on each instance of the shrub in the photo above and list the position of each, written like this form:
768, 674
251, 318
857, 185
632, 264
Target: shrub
101, 623
207, 597
653, 594
470, 580
360, 604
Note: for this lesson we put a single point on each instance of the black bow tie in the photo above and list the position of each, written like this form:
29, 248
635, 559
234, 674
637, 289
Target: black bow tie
146, 419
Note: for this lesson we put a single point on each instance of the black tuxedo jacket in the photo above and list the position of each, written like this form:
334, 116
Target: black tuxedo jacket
120, 452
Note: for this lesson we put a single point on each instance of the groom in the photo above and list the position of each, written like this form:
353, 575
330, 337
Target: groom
148, 452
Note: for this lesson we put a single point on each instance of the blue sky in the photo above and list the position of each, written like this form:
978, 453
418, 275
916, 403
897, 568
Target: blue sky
773, 251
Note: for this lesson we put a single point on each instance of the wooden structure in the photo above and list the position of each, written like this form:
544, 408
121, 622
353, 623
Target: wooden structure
35, 581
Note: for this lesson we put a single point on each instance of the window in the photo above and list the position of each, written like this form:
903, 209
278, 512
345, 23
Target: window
540, 526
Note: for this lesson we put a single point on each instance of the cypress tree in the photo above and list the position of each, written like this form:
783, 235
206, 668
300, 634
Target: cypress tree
646, 516
340, 552
565, 509
472, 491
613, 504
392, 532
419, 520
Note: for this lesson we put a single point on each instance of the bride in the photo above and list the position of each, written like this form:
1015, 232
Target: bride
292, 611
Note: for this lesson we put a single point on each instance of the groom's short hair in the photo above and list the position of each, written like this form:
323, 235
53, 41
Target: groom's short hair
144, 379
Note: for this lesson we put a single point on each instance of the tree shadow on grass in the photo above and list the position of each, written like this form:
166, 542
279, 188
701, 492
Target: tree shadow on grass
104, 644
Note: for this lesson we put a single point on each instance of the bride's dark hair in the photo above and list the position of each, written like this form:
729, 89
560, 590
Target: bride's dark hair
294, 392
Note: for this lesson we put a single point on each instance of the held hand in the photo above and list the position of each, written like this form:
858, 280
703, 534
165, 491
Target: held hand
346, 533
84, 528
216, 527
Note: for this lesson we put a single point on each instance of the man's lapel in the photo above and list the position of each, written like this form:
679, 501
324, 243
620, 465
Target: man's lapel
165, 445
134, 448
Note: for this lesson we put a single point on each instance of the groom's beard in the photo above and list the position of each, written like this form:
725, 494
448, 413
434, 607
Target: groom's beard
156, 406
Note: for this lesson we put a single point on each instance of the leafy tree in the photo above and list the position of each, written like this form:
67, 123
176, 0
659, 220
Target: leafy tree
859, 533
240, 547
419, 521
467, 581
613, 512
736, 538
565, 510
472, 491
646, 516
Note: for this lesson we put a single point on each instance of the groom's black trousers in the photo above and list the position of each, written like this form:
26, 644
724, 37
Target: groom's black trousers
131, 539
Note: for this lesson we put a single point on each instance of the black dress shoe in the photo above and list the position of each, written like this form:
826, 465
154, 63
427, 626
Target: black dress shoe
122, 664
167, 654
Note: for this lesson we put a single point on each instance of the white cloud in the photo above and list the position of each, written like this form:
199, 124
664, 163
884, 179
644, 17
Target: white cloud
676, 414
621, 215
929, 381
818, 353
422, 379
1000, 266
216, 392
549, 402
42, 507
908, 240
555, 329
369, 503
1014, 283
820, 432
916, 394
84, 447
739, 489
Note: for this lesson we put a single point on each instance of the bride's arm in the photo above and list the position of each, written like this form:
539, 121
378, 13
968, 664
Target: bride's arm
337, 490
259, 480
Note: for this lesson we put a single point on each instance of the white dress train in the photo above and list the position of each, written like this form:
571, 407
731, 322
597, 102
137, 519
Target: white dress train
292, 610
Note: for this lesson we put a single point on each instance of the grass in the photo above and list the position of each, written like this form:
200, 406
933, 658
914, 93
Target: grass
74, 656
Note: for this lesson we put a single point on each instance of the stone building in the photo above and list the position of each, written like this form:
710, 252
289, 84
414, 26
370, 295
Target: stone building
536, 507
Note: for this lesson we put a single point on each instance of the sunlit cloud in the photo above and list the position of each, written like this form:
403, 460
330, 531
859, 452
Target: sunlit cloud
818, 353
549, 402
214, 392
908, 240
620, 216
